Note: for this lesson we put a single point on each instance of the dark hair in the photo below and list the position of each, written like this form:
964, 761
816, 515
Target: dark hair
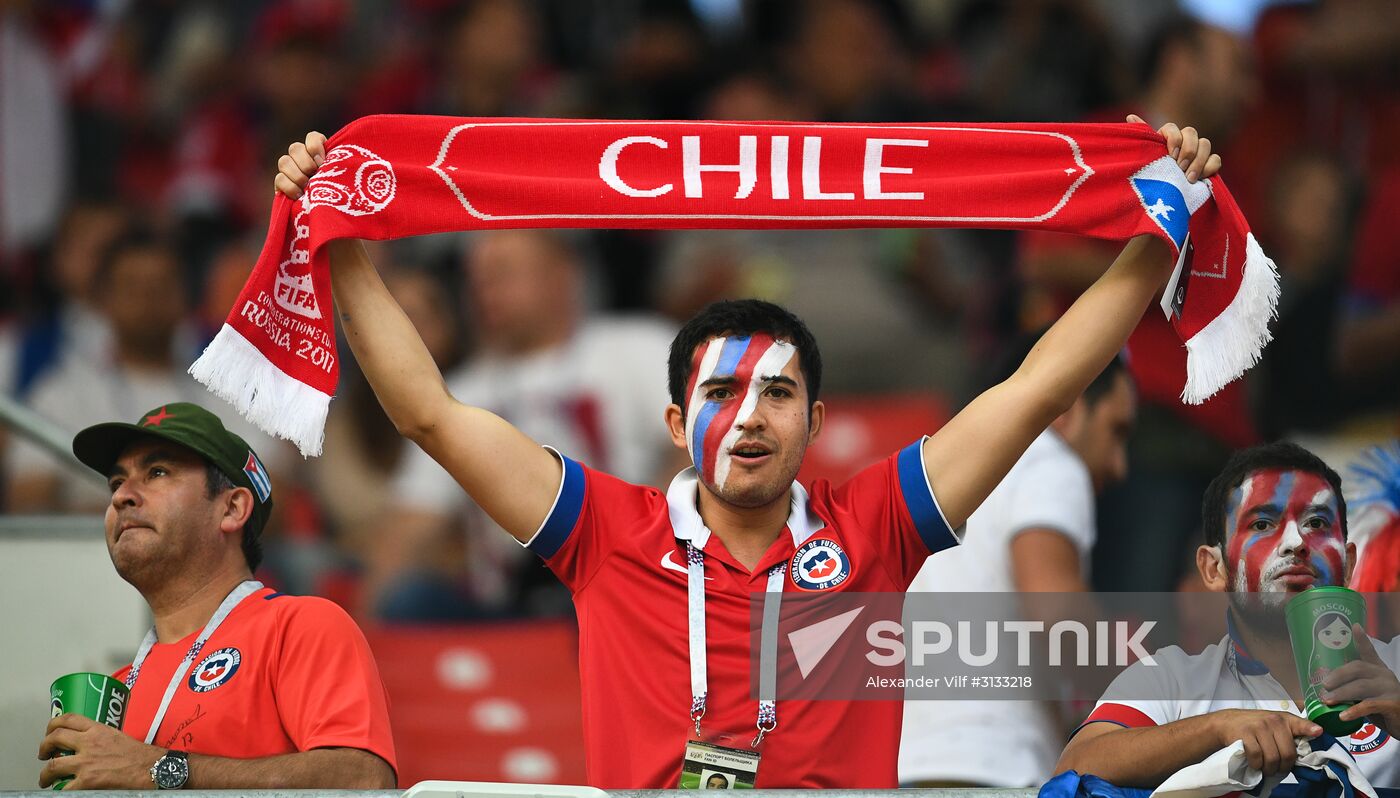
136, 238
742, 317
1280, 455
217, 482
1020, 348
1175, 31
1330, 618
1103, 384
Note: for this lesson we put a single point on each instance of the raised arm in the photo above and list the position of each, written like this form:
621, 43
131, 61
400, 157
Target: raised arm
968, 457
510, 476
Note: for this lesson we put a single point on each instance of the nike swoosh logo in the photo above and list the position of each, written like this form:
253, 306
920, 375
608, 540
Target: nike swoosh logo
671, 565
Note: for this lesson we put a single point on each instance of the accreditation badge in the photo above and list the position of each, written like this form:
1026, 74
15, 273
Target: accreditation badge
714, 767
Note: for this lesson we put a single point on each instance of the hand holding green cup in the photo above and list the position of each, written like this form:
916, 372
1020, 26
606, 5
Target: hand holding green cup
92, 695
1320, 622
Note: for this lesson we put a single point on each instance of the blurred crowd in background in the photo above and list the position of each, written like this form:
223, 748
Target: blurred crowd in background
138, 140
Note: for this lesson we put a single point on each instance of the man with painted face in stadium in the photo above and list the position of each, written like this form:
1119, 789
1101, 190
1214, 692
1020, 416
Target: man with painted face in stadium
236, 685
1275, 525
662, 583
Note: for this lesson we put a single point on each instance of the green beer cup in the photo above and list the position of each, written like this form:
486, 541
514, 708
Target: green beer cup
1320, 627
92, 695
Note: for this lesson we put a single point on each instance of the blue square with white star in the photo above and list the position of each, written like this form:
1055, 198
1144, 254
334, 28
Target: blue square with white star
1164, 203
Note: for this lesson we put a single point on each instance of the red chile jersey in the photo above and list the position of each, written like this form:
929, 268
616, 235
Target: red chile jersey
281, 674
621, 550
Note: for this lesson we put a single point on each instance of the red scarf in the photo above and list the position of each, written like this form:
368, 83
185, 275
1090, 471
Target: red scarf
394, 176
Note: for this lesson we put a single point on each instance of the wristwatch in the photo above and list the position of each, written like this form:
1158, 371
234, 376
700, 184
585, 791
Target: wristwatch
171, 771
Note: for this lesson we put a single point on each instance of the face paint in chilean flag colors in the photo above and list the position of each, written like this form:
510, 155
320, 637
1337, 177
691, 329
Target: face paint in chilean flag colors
1282, 520
712, 427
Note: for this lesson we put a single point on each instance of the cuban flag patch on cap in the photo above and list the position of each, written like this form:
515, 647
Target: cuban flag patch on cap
262, 485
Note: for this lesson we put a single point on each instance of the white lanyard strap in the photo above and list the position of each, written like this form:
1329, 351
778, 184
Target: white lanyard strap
699, 678
232, 600
768, 655
768, 645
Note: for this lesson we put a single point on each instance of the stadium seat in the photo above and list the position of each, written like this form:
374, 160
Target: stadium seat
860, 430
485, 702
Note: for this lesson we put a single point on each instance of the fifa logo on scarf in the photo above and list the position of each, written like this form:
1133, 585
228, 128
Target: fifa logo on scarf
352, 180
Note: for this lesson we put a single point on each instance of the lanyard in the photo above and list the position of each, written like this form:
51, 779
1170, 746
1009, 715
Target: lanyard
232, 600
767, 650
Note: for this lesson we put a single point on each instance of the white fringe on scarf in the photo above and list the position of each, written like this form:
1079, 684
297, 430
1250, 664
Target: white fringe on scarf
235, 371
1234, 340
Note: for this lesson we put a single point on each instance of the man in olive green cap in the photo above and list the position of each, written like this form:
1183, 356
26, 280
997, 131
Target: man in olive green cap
229, 462
235, 686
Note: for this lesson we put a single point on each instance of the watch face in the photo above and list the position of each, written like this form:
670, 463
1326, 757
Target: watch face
171, 772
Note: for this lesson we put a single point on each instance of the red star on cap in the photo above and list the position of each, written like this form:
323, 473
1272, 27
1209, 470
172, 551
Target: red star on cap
154, 419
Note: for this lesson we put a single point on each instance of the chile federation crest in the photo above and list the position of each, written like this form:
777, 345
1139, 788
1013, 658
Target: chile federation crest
819, 564
215, 670
1366, 739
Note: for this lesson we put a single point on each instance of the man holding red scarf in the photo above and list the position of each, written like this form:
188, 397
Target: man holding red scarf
744, 379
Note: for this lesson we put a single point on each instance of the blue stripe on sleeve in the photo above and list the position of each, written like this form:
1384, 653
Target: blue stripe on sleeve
563, 517
918, 498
